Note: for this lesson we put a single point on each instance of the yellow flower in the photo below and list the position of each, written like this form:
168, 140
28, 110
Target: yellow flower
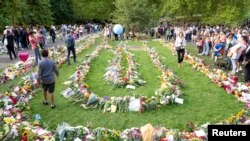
26, 133
240, 114
7, 120
86, 85
7, 93
231, 119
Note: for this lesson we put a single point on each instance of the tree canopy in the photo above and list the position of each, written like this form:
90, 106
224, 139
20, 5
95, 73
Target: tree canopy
133, 14
19, 12
211, 11
93, 10
137, 14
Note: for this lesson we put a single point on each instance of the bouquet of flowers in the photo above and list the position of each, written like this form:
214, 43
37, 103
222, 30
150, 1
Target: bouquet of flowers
113, 73
132, 76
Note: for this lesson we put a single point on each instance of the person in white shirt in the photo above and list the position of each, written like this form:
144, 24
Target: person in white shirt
236, 51
180, 44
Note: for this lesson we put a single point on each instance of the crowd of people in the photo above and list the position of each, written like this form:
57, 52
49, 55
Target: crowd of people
223, 45
220, 43
36, 38
20, 38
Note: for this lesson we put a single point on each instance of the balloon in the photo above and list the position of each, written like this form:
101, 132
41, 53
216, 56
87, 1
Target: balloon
118, 29
23, 56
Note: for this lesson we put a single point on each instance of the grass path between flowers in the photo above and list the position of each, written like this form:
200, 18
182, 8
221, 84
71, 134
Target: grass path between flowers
73, 114
53, 117
99, 86
203, 102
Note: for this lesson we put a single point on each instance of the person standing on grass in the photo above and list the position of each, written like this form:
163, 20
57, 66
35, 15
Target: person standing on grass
180, 44
206, 46
246, 65
70, 43
236, 51
46, 76
199, 44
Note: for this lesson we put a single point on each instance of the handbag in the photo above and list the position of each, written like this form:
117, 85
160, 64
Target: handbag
5, 42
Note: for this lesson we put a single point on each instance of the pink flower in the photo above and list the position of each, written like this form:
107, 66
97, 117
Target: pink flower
247, 122
248, 105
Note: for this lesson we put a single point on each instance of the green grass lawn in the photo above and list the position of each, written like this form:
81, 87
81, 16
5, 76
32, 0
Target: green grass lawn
102, 88
204, 101
134, 43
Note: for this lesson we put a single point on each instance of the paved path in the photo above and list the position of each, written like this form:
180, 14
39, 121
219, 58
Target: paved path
5, 59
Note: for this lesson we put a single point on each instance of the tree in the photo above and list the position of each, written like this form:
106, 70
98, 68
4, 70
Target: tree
212, 11
62, 11
39, 12
135, 14
94, 10
12, 12
228, 12
25, 12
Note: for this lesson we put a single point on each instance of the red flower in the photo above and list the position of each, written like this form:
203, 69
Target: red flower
14, 101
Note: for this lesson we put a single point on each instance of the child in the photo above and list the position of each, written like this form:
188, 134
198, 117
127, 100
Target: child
217, 49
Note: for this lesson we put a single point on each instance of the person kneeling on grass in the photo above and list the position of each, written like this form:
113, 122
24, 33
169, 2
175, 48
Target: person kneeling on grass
46, 76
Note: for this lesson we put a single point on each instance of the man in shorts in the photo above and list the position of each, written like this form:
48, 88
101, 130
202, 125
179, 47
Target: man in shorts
46, 76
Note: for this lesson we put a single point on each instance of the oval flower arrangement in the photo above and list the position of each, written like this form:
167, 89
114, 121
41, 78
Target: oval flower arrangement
168, 92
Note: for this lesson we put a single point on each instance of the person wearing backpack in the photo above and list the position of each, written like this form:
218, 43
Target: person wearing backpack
70, 43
